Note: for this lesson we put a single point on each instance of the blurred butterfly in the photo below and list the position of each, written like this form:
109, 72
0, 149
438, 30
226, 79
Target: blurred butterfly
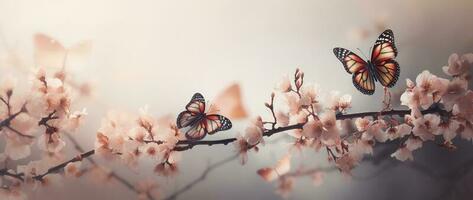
382, 67
229, 102
199, 123
50, 53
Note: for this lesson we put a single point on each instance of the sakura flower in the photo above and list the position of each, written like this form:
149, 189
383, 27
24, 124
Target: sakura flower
346, 163
254, 132
412, 99
74, 120
455, 90
271, 173
413, 143
398, 131
312, 129
362, 124
151, 149
282, 119
465, 106
375, 130
309, 94
403, 154
242, 148
431, 88
73, 169
51, 142
458, 65
166, 169
284, 85
361, 147
294, 103
330, 135
7, 85
339, 103
426, 127
449, 129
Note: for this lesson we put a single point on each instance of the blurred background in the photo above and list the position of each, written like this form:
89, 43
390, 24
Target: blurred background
158, 53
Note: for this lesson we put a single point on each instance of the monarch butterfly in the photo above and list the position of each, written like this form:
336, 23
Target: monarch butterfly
199, 123
382, 67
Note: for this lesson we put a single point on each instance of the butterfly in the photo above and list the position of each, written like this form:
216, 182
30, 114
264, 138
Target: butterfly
382, 67
50, 53
199, 123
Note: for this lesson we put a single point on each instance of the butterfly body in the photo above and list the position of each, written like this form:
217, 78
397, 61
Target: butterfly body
198, 123
381, 67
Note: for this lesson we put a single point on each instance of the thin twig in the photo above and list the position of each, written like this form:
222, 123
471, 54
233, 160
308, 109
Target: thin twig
201, 178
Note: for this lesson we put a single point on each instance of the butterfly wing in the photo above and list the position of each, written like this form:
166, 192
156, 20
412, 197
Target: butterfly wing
48, 52
185, 119
197, 131
194, 109
196, 104
362, 79
352, 62
215, 123
387, 72
386, 69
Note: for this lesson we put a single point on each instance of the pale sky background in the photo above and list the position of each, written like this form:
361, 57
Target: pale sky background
159, 53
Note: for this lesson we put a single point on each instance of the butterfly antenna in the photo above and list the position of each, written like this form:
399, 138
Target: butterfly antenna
362, 53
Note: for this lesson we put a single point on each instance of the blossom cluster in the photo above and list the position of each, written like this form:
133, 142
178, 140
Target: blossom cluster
37, 119
437, 107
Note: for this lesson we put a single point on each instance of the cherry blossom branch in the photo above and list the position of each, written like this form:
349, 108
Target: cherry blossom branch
114, 175
184, 145
201, 178
6, 122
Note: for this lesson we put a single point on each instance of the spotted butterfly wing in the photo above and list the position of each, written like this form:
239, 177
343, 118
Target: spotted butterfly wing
215, 123
386, 69
197, 123
362, 78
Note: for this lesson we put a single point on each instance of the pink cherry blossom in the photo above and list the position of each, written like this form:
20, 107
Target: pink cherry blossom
431, 88
455, 90
403, 154
73, 169
339, 102
312, 129
449, 129
398, 131
413, 143
346, 163
426, 127
51, 142
282, 118
284, 85
458, 65
465, 105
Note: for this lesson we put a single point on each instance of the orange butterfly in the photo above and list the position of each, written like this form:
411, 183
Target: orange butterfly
382, 67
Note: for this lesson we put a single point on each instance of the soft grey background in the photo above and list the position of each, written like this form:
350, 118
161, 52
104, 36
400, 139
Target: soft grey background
158, 53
